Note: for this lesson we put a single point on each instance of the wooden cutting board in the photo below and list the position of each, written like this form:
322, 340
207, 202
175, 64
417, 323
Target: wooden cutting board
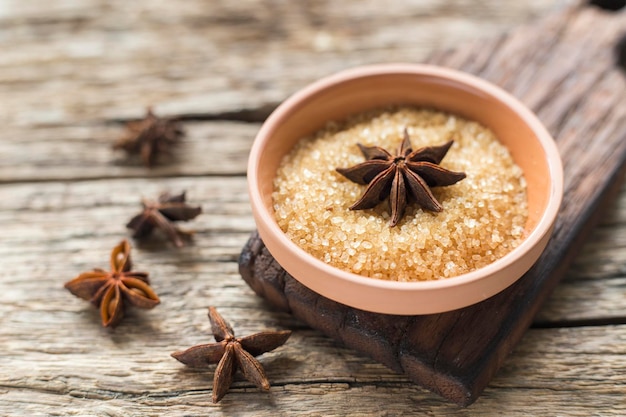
564, 68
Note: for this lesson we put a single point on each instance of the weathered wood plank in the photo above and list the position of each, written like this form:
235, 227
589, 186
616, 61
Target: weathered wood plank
85, 152
594, 288
575, 371
117, 57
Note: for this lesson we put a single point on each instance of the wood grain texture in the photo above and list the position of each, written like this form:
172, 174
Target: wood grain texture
71, 72
212, 57
123, 381
67, 153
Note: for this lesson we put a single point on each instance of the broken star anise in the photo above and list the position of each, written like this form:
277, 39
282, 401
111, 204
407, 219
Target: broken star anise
111, 291
161, 214
408, 175
231, 353
150, 137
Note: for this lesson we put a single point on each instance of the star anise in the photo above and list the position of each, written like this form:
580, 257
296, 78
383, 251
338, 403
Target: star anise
161, 214
408, 175
150, 137
231, 353
111, 291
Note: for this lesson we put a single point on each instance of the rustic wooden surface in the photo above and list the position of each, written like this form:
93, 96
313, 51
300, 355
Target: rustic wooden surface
71, 71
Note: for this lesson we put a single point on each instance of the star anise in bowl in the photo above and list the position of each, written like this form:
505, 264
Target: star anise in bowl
111, 291
406, 176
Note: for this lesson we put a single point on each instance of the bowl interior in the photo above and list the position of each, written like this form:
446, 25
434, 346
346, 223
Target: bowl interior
312, 108
366, 88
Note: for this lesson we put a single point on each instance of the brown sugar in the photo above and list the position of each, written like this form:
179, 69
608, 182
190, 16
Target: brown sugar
483, 217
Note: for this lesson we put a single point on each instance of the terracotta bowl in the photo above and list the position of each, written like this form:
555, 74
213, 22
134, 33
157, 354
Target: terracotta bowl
357, 90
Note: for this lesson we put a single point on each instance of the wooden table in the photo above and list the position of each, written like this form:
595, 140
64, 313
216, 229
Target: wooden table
71, 72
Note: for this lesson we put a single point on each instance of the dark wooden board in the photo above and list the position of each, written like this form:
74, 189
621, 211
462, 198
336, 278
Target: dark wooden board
564, 69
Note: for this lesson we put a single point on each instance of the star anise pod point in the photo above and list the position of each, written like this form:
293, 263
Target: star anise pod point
112, 291
407, 175
231, 353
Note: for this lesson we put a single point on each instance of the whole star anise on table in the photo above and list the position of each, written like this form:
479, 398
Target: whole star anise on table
231, 353
150, 137
161, 214
111, 291
407, 175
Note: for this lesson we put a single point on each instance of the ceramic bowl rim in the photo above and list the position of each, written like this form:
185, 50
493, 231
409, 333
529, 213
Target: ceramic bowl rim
542, 228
